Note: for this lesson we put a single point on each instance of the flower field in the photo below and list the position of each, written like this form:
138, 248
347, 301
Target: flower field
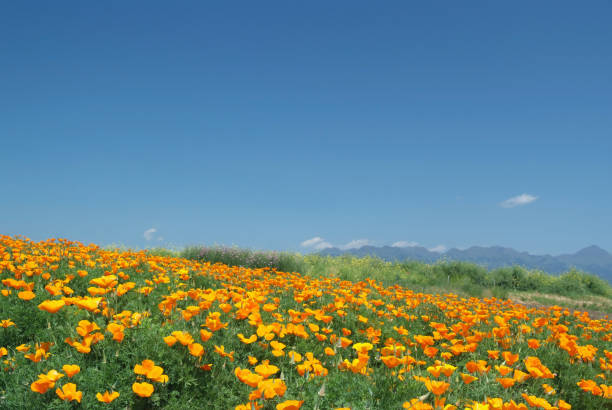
85, 327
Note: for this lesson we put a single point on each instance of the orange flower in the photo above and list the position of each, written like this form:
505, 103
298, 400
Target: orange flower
503, 370
107, 397
534, 401
183, 337
563, 405
150, 371
69, 393
589, 386
510, 358
533, 343
205, 335
26, 295
105, 282
344, 342
520, 376
247, 377
536, 369
37, 356
170, 340
251, 339
266, 370
117, 331
6, 323
548, 389
437, 387
415, 404
271, 388
71, 369
467, 379
290, 405
506, 382
196, 349
391, 361
89, 304
52, 306
430, 351
143, 389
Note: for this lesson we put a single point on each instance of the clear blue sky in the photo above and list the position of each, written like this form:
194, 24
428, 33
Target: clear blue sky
264, 124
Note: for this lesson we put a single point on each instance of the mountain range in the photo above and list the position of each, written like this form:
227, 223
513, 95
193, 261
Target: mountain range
591, 259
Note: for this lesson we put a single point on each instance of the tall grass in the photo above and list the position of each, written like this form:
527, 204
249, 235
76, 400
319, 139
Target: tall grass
463, 277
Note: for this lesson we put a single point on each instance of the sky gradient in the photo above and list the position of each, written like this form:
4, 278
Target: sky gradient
268, 124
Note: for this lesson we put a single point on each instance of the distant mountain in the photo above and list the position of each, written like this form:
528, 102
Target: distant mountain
591, 259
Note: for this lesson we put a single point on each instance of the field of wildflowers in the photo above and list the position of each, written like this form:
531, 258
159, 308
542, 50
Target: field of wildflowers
83, 327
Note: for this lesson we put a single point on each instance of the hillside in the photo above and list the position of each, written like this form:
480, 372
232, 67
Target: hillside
591, 259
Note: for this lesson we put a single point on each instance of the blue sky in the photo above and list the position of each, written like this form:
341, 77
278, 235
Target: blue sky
265, 124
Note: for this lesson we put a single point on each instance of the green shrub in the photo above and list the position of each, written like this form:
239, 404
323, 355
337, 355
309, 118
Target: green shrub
464, 277
281, 261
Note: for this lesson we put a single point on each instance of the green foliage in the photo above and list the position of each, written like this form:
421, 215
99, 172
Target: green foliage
464, 277
247, 258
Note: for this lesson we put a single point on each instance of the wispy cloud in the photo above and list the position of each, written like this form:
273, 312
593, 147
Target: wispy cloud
356, 243
518, 200
311, 242
149, 234
317, 243
438, 249
405, 244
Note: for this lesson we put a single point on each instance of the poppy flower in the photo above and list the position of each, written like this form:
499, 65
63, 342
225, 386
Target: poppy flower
196, 349
290, 405
143, 389
170, 340
548, 389
251, 339
247, 377
51, 306
266, 370
533, 343
467, 378
510, 358
271, 388
437, 387
107, 397
69, 393
26, 295
506, 382
205, 335
6, 323
71, 369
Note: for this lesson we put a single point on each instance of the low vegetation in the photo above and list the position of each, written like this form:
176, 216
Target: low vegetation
463, 277
84, 327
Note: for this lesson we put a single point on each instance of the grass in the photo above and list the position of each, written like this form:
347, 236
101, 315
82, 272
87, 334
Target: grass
330, 341
464, 278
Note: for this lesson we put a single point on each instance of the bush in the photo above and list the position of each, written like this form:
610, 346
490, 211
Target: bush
281, 261
465, 277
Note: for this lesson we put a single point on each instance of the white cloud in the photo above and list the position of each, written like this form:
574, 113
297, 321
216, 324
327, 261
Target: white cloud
311, 242
356, 243
149, 234
317, 243
405, 244
323, 245
438, 249
519, 200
